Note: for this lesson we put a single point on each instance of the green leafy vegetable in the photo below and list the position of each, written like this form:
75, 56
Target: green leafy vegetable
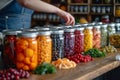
45, 68
95, 53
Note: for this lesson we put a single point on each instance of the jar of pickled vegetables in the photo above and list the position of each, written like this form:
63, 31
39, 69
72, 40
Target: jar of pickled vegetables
115, 40
96, 36
44, 47
26, 51
69, 42
57, 44
10, 38
79, 40
104, 35
88, 38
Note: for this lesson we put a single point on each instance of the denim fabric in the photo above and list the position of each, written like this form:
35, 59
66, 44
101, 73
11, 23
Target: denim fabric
14, 16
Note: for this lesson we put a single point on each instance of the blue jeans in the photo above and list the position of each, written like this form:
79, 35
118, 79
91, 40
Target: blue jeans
15, 21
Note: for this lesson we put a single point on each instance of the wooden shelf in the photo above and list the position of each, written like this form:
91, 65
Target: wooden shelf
78, 4
101, 4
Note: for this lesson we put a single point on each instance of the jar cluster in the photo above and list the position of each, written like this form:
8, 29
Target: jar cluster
25, 49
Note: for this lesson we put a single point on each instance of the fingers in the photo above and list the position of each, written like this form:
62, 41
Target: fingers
70, 19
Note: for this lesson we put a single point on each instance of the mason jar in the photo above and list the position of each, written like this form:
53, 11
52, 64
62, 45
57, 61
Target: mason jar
9, 53
88, 38
79, 40
26, 51
96, 36
104, 35
69, 42
57, 44
44, 47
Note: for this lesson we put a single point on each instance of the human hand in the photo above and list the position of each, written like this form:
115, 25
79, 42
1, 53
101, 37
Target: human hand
67, 17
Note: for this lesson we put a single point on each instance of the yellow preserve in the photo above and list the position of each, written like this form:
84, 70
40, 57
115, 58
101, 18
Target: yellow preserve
88, 38
44, 47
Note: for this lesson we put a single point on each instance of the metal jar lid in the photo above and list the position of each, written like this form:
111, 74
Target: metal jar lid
111, 24
44, 32
28, 34
104, 26
97, 26
80, 28
12, 32
72, 29
57, 31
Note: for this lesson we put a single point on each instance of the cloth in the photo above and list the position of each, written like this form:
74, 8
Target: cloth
14, 16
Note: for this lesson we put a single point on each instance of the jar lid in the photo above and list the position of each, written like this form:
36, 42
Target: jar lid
28, 34
68, 26
80, 28
12, 32
57, 27
57, 31
117, 24
104, 26
89, 27
111, 24
69, 29
96, 26
44, 32
78, 25
30, 29
42, 28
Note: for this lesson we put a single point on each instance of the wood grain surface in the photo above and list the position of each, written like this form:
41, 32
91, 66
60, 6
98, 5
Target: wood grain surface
83, 71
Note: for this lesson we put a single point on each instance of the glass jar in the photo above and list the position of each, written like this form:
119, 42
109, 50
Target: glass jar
115, 40
8, 54
79, 40
104, 35
69, 42
26, 51
44, 47
96, 36
88, 38
117, 26
117, 11
57, 44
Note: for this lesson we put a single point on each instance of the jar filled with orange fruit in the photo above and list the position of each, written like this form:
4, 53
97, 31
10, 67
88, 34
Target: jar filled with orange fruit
44, 47
26, 51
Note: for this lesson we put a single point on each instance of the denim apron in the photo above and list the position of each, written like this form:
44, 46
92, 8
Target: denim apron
15, 17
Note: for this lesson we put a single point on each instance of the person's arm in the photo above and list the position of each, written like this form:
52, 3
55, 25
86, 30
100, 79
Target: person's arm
41, 6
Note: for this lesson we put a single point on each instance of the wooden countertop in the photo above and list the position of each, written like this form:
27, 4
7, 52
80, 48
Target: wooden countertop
83, 71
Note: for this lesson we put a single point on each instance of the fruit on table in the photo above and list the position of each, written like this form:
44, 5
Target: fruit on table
13, 74
64, 63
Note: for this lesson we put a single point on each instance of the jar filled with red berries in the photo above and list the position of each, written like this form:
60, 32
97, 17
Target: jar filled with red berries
8, 54
79, 40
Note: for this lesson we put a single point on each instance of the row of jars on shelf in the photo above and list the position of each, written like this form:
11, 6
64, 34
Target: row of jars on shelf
27, 48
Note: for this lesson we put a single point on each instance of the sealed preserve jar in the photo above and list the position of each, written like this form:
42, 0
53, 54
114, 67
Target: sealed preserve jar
69, 42
44, 47
96, 36
104, 35
10, 38
88, 38
115, 40
57, 44
79, 40
26, 51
